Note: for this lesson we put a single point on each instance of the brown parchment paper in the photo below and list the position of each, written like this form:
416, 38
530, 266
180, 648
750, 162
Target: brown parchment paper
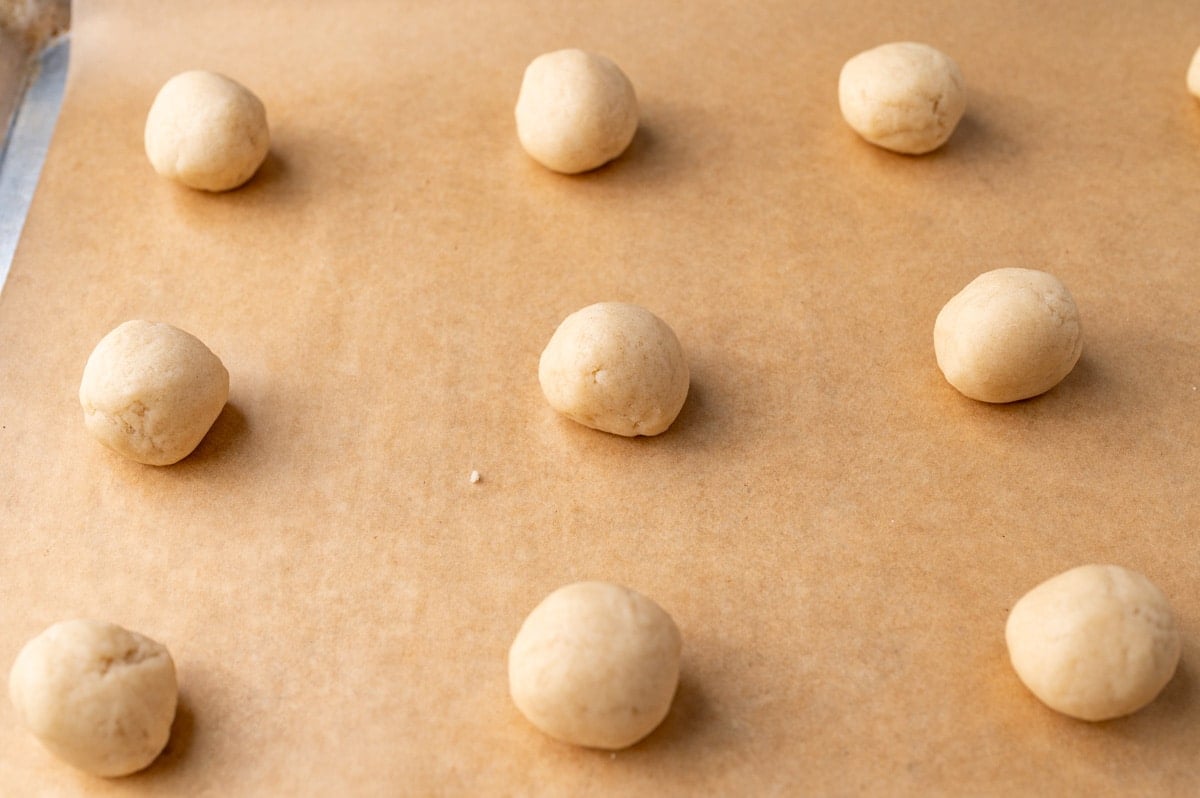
837, 532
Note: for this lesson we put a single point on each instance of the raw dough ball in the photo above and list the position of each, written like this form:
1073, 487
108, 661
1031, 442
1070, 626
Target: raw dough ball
615, 367
97, 696
595, 664
1193, 75
206, 131
1010, 334
903, 96
150, 392
1095, 642
576, 111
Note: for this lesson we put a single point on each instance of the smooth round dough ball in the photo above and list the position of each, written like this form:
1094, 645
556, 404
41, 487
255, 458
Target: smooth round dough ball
615, 367
1193, 75
1009, 335
151, 391
576, 111
96, 695
904, 96
595, 664
1095, 642
206, 131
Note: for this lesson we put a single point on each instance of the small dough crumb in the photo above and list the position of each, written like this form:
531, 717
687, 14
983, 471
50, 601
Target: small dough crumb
1193, 75
206, 131
615, 367
151, 391
474, 477
904, 96
1095, 642
576, 111
1009, 335
97, 696
595, 664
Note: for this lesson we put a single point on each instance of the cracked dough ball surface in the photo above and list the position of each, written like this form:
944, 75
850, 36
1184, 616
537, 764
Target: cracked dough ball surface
97, 696
1193, 75
595, 664
576, 111
151, 391
904, 96
1009, 335
1096, 642
615, 367
206, 131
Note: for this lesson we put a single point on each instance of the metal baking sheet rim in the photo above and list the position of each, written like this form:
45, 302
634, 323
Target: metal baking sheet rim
26, 140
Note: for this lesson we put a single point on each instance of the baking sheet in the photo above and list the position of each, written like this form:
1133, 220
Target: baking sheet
31, 89
838, 534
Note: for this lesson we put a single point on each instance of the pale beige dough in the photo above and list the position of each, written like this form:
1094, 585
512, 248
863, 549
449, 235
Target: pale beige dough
151, 391
206, 131
97, 696
904, 96
1009, 335
615, 367
1193, 75
1095, 642
575, 111
595, 664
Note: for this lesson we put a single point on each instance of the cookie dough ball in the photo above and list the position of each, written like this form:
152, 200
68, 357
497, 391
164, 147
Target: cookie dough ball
99, 697
151, 391
1193, 76
615, 367
1095, 642
206, 131
905, 97
1009, 335
595, 664
576, 111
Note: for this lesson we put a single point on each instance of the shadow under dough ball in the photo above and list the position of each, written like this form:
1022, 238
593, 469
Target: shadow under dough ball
206, 131
151, 392
97, 696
